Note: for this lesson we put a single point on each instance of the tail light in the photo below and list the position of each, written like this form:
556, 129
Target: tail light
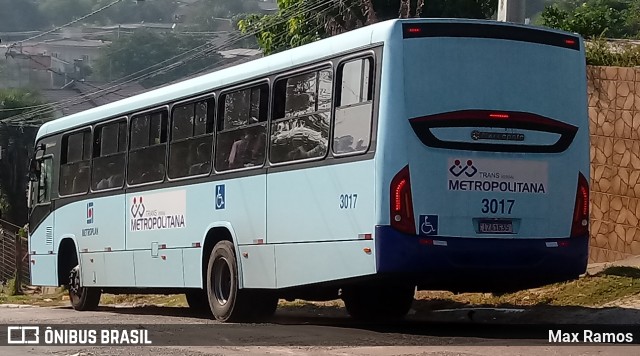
580, 225
401, 204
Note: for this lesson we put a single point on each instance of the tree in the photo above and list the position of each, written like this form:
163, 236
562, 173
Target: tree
144, 48
20, 15
17, 142
594, 18
303, 21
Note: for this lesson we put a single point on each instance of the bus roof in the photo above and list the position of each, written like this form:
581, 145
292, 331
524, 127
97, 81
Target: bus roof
361, 37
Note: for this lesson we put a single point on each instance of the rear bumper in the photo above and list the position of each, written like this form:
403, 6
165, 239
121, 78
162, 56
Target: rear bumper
478, 264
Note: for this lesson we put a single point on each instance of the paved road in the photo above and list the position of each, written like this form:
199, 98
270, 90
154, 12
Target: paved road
330, 332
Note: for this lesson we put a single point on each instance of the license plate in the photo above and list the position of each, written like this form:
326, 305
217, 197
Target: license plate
495, 227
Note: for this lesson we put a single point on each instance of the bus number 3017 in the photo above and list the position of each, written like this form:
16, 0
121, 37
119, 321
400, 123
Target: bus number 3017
348, 201
497, 206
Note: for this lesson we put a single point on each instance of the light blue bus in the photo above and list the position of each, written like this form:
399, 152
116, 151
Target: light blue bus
437, 154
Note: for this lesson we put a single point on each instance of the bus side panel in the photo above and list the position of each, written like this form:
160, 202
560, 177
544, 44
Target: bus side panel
119, 269
161, 270
240, 202
300, 264
92, 269
192, 267
258, 266
97, 224
158, 217
330, 203
41, 239
44, 270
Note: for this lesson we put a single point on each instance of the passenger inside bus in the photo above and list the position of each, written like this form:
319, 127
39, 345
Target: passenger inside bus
239, 151
202, 160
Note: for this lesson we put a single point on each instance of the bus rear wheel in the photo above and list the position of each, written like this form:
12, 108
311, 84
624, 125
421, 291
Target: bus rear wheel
82, 298
227, 301
378, 303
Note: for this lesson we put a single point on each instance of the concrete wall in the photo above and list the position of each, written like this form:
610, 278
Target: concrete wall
614, 113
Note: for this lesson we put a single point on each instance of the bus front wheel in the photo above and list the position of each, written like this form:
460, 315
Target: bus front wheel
378, 303
82, 298
226, 300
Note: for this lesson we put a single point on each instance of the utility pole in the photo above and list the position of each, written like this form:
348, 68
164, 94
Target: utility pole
511, 11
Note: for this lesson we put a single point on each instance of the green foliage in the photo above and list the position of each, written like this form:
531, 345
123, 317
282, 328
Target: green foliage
12, 101
144, 48
11, 288
594, 18
602, 53
314, 20
281, 31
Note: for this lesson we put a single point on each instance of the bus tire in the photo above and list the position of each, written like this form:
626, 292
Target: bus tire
82, 298
227, 301
198, 301
378, 303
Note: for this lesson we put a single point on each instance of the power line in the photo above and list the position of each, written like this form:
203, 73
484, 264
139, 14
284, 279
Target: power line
67, 24
177, 64
205, 49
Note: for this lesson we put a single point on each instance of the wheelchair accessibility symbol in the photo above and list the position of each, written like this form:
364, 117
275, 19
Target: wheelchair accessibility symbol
428, 225
220, 197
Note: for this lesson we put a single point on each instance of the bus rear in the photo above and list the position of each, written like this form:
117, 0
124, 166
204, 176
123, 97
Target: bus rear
486, 157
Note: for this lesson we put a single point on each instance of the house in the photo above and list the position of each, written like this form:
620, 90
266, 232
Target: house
79, 96
68, 49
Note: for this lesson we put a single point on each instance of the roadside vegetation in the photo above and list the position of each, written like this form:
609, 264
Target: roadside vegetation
610, 285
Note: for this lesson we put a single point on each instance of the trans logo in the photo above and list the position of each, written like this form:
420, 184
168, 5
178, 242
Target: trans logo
160, 211
469, 170
497, 176
137, 209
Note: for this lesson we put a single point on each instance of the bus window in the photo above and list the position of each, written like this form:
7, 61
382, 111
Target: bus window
242, 128
43, 191
109, 156
191, 139
354, 109
300, 126
75, 163
148, 148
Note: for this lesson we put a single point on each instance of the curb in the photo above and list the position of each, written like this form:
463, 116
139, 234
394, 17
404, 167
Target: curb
595, 268
18, 306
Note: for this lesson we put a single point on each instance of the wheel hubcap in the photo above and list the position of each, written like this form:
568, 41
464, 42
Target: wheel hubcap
221, 280
74, 282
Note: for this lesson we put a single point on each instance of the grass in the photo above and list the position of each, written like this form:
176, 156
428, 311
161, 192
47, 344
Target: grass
32, 297
175, 300
611, 285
